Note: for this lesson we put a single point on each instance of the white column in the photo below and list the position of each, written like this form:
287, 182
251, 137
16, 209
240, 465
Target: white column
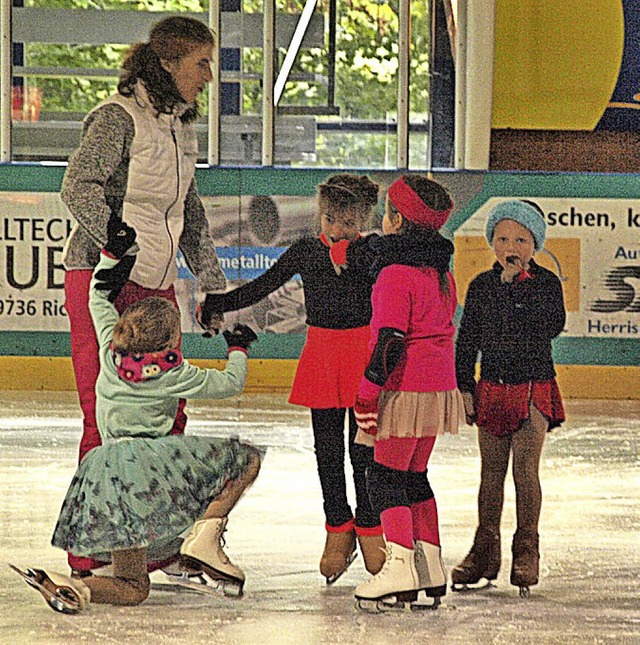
460, 137
404, 58
5, 81
268, 49
478, 93
213, 120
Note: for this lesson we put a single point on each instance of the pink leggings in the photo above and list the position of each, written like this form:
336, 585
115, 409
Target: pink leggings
419, 521
86, 364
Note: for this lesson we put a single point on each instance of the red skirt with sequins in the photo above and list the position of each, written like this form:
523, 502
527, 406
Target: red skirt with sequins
503, 408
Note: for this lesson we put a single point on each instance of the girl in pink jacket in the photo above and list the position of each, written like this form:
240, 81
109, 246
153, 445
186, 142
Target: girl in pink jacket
409, 392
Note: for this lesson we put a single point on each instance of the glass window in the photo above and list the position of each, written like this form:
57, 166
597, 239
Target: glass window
335, 73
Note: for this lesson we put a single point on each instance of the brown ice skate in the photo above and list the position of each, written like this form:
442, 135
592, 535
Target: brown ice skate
482, 562
372, 548
526, 560
339, 553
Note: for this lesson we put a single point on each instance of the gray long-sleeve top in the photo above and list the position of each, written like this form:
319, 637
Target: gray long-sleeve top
94, 187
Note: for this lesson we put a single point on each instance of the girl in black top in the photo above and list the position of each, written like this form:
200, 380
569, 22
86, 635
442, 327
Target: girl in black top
336, 278
511, 314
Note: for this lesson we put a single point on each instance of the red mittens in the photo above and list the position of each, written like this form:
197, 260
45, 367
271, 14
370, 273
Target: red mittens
366, 412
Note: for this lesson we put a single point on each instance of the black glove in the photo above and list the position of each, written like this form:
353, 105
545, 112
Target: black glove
212, 307
114, 279
120, 237
240, 336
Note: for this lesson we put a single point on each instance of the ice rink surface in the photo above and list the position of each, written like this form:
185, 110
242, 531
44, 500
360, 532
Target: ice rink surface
589, 589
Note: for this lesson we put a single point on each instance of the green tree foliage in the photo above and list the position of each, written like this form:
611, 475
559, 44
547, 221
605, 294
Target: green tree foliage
365, 80
78, 94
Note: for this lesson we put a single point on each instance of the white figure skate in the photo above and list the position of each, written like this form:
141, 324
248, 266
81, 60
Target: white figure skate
432, 577
395, 585
202, 550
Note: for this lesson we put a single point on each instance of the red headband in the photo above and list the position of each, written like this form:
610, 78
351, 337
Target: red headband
407, 201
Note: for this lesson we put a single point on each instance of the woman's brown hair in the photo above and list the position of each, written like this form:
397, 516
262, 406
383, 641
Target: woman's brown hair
169, 40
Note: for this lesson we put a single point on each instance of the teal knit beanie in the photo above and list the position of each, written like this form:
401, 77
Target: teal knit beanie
519, 211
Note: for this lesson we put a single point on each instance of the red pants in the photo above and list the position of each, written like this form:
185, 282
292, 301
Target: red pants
86, 364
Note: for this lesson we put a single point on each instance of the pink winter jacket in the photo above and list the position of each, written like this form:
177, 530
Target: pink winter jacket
409, 299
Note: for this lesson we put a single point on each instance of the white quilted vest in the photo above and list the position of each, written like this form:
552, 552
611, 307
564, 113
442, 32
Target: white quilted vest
162, 166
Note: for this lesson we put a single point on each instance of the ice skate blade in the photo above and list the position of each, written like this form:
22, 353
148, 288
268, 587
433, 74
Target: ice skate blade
524, 591
185, 576
433, 606
64, 604
227, 588
209, 573
181, 567
334, 576
434, 592
482, 585
400, 601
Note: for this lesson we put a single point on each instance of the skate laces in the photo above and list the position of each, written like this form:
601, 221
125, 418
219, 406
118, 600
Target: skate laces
387, 564
222, 543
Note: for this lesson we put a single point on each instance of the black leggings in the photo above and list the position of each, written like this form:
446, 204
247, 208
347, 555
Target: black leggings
328, 435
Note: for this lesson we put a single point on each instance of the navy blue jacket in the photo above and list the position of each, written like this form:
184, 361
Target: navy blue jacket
511, 326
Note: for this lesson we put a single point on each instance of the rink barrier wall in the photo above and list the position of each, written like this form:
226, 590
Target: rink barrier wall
588, 367
41, 361
50, 373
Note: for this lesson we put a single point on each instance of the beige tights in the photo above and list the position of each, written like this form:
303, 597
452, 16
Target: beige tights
130, 583
526, 446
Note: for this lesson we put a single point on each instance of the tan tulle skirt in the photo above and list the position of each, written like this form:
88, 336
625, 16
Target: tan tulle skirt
419, 414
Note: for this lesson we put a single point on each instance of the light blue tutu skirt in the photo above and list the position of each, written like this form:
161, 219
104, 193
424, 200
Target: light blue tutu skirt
145, 492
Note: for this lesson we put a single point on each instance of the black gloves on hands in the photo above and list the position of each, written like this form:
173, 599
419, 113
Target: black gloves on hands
120, 238
114, 279
241, 336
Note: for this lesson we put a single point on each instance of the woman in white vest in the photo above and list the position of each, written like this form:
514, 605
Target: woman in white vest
136, 162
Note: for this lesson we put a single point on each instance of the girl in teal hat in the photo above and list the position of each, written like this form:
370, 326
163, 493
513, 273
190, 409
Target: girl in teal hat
511, 314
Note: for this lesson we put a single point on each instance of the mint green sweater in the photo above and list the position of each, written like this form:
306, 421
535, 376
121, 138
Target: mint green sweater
148, 408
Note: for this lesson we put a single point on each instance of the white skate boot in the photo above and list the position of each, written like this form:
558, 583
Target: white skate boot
393, 586
202, 549
432, 576
62, 593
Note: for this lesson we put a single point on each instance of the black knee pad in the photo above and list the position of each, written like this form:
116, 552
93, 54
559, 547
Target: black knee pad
387, 487
418, 487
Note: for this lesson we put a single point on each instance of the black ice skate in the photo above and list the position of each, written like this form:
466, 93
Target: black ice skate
63, 594
480, 567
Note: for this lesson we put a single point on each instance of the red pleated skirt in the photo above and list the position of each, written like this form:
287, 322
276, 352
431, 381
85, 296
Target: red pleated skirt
503, 408
331, 365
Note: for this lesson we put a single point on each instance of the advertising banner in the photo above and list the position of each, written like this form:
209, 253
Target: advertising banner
593, 244
33, 230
